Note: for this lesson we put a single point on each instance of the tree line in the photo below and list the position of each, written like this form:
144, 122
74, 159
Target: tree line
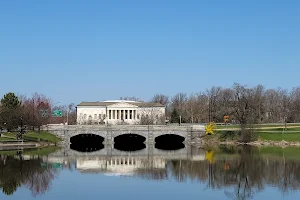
243, 105
238, 104
33, 111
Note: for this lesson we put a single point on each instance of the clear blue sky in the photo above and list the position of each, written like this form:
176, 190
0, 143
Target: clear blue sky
93, 50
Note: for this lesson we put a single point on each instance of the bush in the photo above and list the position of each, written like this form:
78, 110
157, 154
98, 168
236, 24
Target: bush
228, 135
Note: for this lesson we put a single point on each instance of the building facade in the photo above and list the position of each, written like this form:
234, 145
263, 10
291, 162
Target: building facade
120, 112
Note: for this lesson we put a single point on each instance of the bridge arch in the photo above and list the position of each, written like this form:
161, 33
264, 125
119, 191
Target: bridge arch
86, 142
174, 134
98, 133
117, 133
169, 142
129, 142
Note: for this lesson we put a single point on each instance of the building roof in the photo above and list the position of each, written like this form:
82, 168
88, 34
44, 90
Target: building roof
108, 103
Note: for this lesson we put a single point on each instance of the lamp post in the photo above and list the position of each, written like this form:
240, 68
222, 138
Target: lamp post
68, 116
179, 110
19, 135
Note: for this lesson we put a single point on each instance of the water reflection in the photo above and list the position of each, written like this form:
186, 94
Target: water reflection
169, 146
241, 172
27, 171
129, 146
87, 147
169, 142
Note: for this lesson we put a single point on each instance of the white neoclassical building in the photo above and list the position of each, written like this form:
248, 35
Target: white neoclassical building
120, 112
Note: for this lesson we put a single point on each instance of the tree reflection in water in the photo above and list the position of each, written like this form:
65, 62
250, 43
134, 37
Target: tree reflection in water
14, 172
244, 168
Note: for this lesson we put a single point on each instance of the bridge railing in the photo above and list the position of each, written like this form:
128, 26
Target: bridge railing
116, 127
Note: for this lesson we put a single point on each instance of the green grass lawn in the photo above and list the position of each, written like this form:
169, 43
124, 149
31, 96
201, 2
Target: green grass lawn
271, 135
34, 136
290, 137
276, 126
43, 136
292, 129
32, 152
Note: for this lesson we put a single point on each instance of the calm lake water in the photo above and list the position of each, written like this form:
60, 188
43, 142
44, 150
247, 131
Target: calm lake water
220, 173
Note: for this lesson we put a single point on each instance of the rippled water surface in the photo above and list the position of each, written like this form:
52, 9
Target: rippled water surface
151, 173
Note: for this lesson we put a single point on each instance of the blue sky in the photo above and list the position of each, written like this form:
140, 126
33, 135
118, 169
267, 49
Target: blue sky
93, 50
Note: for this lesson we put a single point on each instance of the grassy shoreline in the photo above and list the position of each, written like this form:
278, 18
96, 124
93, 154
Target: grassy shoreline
31, 151
31, 136
266, 132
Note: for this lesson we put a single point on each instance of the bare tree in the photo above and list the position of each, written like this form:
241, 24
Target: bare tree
295, 105
191, 108
160, 98
151, 116
36, 110
178, 103
213, 105
131, 99
244, 110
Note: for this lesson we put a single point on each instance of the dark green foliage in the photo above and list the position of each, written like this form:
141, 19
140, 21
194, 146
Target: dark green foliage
10, 101
10, 111
10, 187
228, 135
174, 116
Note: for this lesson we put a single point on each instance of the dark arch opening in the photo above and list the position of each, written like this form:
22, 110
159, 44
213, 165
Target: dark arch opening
86, 142
129, 142
169, 142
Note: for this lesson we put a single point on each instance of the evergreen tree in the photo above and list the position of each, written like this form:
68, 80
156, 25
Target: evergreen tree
10, 111
10, 101
174, 116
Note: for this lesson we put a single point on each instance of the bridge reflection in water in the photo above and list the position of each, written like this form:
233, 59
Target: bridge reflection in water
127, 163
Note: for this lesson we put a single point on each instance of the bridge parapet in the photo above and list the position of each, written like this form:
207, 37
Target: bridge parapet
122, 127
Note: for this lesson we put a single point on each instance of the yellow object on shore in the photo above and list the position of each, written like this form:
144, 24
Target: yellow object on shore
210, 128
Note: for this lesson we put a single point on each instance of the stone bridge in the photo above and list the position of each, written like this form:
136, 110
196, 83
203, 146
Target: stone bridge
110, 132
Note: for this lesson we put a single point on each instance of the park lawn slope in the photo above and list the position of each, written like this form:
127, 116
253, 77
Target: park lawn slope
292, 135
31, 152
289, 137
35, 137
42, 136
